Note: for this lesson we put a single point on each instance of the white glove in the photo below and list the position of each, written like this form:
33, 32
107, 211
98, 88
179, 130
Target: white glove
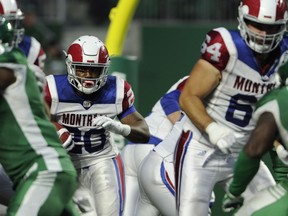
282, 154
111, 125
220, 136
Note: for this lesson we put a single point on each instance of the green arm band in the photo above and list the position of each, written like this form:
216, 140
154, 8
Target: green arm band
244, 171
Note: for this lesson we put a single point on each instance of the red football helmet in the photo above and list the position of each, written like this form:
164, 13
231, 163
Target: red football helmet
87, 51
9, 9
266, 15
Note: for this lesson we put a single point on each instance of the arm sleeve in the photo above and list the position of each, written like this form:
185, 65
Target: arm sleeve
170, 102
244, 171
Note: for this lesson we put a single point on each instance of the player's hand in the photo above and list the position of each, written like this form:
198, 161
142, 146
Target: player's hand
220, 136
231, 202
68, 144
282, 153
111, 125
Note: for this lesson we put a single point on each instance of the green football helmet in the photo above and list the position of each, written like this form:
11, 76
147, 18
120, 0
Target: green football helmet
6, 34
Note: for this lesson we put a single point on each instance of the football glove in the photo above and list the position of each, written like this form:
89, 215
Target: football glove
111, 125
220, 136
231, 202
282, 154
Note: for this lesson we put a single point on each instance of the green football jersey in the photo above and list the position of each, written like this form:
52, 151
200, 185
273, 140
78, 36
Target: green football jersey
28, 140
276, 102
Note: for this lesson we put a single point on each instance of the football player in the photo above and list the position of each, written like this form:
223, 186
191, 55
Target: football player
42, 173
86, 101
163, 116
272, 116
29, 45
36, 58
236, 68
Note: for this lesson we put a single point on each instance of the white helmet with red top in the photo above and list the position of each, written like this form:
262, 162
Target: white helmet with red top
87, 51
266, 15
9, 9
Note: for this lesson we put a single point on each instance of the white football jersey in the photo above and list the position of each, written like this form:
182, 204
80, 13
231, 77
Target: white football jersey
243, 82
159, 124
76, 112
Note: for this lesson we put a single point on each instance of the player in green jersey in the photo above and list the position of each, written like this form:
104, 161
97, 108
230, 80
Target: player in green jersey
43, 176
272, 114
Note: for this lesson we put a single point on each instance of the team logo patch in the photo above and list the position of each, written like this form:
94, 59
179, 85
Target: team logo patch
201, 153
86, 104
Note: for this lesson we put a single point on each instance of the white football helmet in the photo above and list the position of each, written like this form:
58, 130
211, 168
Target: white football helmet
87, 51
264, 15
9, 9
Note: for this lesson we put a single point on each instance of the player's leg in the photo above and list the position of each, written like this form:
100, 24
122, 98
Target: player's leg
83, 200
271, 201
145, 178
6, 190
106, 184
43, 192
133, 155
71, 209
195, 176
156, 179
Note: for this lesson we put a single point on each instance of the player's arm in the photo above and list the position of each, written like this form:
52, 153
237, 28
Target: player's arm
139, 128
174, 117
203, 79
132, 125
170, 105
7, 77
170, 101
247, 165
260, 142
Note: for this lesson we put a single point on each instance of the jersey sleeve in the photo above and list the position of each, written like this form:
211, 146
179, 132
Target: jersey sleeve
33, 51
214, 49
244, 171
128, 101
41, 58
47, 95
170, 101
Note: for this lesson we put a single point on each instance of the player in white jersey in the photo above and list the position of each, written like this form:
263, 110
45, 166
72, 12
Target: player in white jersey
86, 101
29, 45
156, 177
235, 70
160, 121
272, 118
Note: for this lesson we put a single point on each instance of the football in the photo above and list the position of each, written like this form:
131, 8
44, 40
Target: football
64, 136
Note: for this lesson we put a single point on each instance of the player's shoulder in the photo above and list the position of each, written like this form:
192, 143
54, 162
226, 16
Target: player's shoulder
223, 35
273, 101
116, 81
278, 94
57, 76
219, 47
29, 39
58, 80
179, 84
15, 56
